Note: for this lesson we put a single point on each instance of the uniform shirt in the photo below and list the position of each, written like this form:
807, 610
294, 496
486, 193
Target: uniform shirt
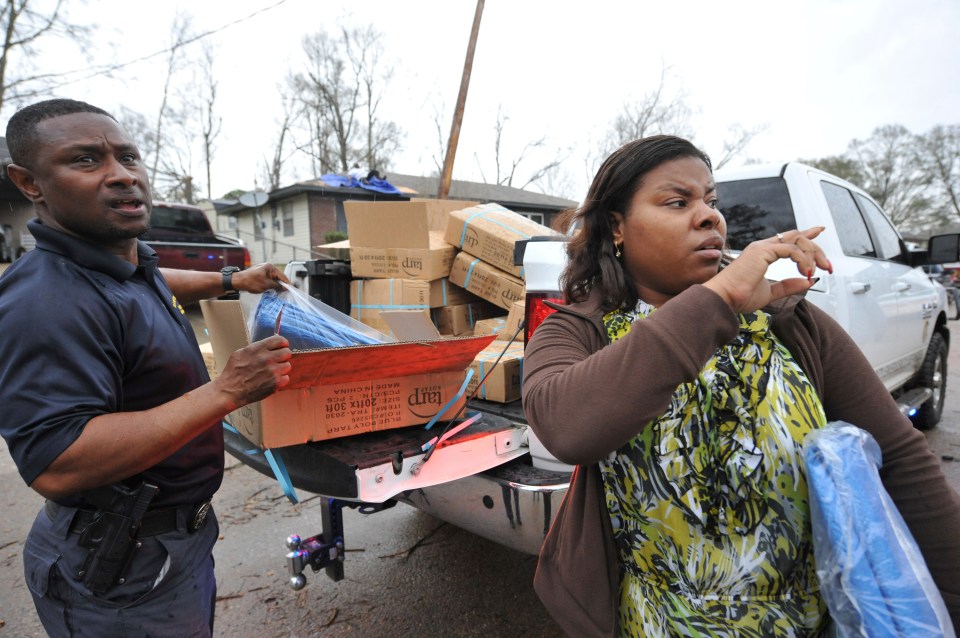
85, 333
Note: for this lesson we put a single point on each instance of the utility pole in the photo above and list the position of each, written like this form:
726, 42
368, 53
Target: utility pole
445, 178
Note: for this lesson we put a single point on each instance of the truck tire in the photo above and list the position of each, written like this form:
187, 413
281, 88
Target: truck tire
933, 375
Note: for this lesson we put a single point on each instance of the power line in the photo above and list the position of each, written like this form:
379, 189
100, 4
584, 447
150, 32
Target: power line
107, 69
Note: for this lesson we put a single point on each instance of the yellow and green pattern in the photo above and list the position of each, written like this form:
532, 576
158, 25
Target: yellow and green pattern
709, 502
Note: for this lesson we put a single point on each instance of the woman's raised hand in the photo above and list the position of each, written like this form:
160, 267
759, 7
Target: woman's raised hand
743, 284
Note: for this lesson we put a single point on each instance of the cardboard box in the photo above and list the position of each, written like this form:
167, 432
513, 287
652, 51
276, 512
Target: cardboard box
461, 319
207, 351
515, 317
493, 326
505, 376
398, 224
487, 282
338, 392
369, 296
426, 264
490, 232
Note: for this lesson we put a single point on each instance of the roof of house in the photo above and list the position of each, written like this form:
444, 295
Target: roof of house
482, 192
415, 186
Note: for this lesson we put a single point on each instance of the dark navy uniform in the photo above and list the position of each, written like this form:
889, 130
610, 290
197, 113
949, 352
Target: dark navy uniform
86, 333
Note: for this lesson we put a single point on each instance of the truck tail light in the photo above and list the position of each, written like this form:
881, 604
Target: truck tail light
537, 310
246, 259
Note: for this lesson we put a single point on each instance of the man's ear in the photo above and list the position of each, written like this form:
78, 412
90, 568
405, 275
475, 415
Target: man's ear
23, 179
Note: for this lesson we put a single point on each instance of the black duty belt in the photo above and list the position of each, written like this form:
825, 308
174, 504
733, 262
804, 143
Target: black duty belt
154, 522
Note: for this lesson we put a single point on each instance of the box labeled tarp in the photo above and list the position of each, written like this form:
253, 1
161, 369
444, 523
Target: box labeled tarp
425, 264
337, 392
490, 231
503, 373
485, 281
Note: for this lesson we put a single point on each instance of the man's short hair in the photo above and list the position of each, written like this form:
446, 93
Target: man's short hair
22, 127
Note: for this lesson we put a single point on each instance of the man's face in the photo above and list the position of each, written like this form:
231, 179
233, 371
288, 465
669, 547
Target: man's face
90, 179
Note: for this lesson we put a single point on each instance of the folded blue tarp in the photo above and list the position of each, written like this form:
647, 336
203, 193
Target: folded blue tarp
872, 575
308, 324
371, 184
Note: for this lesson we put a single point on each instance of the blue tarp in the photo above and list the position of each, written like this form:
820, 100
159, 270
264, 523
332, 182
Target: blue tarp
872, 575
371, 184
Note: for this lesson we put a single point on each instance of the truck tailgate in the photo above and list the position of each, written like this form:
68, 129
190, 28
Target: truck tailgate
376, 466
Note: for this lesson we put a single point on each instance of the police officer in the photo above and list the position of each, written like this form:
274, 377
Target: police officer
108, 410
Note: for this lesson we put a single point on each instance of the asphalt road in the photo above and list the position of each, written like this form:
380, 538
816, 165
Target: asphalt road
407, 574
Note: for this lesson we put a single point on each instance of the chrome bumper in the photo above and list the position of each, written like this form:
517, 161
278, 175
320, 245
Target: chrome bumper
512, 505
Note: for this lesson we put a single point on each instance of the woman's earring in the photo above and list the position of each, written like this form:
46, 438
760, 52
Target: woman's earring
617, 253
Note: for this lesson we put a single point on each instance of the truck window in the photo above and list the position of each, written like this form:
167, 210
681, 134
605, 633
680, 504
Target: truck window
851, 228
885, 235
755, 209
179, 218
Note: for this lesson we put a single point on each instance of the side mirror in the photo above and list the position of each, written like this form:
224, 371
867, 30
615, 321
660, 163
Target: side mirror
944, 249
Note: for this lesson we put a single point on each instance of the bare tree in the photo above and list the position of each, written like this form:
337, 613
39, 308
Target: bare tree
273, 168
938, 152
737, 140
842, 166
658, 111
339, 94
506, 170
890, 173
179, 33
210, 122
25, 24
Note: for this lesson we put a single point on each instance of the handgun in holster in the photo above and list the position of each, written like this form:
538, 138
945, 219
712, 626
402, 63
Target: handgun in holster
111, 538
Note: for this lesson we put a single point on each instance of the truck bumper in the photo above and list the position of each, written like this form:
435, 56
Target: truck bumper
512, 505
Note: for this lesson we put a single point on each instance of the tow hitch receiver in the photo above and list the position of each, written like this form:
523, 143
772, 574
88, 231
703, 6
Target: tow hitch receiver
326, 549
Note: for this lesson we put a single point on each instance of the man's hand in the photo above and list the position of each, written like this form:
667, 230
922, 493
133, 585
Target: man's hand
260, 278
256, 371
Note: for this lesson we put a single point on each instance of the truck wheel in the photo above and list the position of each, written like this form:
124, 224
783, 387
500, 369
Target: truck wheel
933, 375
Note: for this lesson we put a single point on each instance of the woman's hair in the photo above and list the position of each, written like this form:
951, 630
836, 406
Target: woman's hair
592, 254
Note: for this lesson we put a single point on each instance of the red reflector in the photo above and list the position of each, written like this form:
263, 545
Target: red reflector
536, 310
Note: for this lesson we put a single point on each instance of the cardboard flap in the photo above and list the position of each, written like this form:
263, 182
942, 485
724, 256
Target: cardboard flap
386, 225
360, 363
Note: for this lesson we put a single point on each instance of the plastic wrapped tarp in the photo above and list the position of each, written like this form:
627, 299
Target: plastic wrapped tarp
308, 323
872, 575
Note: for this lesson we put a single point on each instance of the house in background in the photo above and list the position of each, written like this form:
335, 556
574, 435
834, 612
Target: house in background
15, 211
298, 218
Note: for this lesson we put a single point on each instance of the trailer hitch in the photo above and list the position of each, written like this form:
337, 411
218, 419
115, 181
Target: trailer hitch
326, 549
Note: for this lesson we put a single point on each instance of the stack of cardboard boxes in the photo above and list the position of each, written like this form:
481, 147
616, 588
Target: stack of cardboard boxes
453, 260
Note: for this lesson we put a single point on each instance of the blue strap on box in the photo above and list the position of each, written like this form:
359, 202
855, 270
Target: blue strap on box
276, 464
483, 214
453, 399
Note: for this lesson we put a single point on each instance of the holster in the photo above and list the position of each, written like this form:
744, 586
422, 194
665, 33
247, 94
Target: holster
111, 538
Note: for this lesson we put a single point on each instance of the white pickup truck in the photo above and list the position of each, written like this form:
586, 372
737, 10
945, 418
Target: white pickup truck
877, 292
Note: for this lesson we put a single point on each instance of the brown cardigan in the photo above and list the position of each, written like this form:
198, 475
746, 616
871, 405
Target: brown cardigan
584, 397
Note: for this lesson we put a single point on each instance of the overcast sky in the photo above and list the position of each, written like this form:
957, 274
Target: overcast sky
816, 74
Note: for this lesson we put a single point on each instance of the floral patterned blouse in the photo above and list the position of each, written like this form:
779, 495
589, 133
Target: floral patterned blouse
709, 501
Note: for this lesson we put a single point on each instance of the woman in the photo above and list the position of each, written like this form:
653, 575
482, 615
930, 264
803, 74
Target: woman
682, 389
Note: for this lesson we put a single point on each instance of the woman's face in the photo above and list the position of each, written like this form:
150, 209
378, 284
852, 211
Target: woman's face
672, 234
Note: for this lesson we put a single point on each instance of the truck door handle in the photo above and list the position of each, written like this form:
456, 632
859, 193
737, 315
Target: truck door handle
900, 286
190, 254
858, 288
